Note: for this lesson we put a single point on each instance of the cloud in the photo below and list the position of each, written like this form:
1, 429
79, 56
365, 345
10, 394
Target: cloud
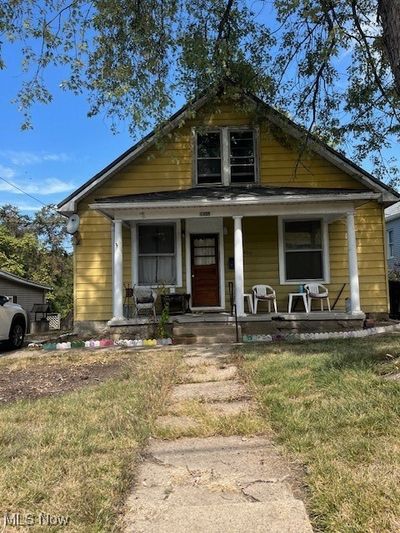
25, 158
47, 186
6, 172
28, 208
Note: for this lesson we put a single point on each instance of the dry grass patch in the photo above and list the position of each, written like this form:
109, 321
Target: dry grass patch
208, 422
331, 409
75, 454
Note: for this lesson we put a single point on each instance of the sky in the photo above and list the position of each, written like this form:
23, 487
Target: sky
64, 149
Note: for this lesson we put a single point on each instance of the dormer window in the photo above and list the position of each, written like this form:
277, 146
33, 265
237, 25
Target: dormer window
225, 156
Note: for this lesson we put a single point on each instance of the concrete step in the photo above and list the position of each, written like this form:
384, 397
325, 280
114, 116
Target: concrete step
204, 329
210, 391
211, 373
204, 339
283, 516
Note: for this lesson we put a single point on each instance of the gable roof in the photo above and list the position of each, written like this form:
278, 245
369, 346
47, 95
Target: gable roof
392, 212
389, 195
22, 281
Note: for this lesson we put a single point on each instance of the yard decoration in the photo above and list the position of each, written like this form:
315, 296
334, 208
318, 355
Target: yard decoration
358, 333
35, 345
103, 343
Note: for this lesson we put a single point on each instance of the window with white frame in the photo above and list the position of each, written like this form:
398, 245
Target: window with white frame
157, 253
226, 155
303, 250
390, 242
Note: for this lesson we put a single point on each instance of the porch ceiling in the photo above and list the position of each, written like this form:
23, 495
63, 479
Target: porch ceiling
228, 201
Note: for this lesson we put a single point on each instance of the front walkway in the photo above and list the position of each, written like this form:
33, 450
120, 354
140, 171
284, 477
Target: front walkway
207, 471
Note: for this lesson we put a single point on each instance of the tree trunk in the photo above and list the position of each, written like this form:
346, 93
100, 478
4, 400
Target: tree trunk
389, 15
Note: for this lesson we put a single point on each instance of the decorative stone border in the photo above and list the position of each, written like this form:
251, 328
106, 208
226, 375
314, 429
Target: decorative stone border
359, 333
103, 343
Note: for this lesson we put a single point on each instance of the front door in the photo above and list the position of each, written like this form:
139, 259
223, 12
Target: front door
205, 270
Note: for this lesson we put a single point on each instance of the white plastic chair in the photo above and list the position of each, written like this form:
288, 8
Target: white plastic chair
316, 291
264, 293
145, 299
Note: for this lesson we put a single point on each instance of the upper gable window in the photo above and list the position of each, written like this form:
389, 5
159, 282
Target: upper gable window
226, 156
242, 156
209, 161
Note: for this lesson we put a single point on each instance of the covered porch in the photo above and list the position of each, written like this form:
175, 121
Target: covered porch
226, 235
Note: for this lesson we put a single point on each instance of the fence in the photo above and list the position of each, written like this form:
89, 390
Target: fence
54, 320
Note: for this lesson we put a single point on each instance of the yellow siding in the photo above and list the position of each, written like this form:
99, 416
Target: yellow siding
261, 258
168, 166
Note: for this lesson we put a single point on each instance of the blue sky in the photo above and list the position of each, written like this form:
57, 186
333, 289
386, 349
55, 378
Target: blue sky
64, 149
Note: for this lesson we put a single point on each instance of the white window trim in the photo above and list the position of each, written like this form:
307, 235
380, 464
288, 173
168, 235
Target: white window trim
225, 155
135, 252
390, 245
325, 251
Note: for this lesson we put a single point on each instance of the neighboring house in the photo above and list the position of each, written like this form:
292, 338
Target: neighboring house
22, 291
218, 195
392, 217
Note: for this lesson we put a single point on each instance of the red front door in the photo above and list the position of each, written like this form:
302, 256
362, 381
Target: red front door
205, 270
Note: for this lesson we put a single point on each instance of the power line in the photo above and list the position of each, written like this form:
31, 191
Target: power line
23, 192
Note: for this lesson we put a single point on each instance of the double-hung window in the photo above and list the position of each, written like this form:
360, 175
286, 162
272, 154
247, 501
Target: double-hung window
226, 155
303, 251
390, 242
209, 158
157, 254
242, 156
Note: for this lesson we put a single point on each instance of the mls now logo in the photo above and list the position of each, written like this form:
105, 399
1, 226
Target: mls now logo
42, 519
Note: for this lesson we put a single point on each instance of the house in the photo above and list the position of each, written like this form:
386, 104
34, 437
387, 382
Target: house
392, 217
22, 291
219, 194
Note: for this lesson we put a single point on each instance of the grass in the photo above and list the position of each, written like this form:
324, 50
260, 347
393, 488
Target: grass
204, 417
332, 410
208, 422
75, 454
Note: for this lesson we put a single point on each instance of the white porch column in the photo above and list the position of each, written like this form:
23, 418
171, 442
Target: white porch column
353, 265
239, 276
117, 272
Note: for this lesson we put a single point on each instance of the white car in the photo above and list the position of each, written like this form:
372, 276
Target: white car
13, 323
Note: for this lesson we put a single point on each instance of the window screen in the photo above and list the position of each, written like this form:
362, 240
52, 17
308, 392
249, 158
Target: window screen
303, 250
242, 157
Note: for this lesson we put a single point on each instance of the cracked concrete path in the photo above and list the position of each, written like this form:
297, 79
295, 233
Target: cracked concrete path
218, 483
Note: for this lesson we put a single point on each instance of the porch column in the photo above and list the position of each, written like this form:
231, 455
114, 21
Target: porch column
118, 313
239, 277
353, 266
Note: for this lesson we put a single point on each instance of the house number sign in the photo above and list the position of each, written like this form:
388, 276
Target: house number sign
205, 213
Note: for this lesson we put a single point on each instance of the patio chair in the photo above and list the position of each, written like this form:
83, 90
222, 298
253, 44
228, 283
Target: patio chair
264, 293
145, 299
316, 291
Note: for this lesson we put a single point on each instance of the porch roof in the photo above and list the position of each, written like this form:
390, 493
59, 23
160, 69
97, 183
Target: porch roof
229, 201
221, 195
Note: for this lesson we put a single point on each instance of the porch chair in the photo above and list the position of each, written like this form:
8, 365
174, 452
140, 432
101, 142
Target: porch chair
316, 291
264, 293
145, 299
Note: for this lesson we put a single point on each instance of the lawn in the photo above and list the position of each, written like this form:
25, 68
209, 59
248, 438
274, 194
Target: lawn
333, 411
70, 446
